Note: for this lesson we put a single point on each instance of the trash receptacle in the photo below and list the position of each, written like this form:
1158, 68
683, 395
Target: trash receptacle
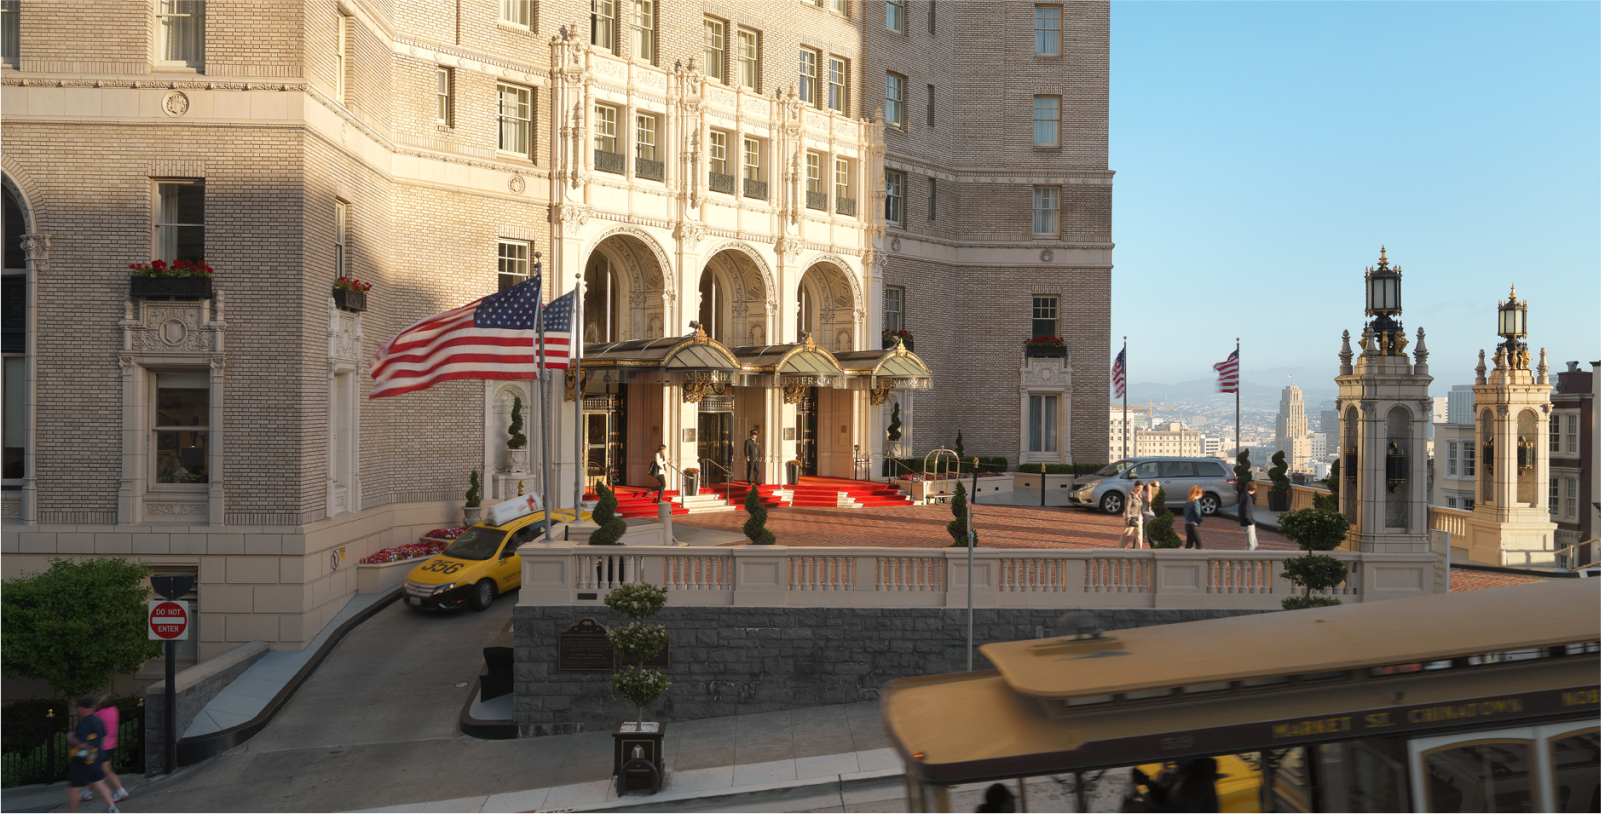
792, 473
691, 482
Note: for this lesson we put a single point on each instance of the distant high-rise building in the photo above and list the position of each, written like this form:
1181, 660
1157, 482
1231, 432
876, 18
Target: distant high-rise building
1139, 418
1172, 438
1212, 446
1290, 430
1319, 445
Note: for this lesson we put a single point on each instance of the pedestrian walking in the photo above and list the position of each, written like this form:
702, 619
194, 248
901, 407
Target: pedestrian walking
658, 470
1133, 518
108, 713
753, 457
1192, 519
1247, 512
83, 771
1151, 490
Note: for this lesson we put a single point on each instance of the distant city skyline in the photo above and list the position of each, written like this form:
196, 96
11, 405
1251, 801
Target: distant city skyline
1264, 152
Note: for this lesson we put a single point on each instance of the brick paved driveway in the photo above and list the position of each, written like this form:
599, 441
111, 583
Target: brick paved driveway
998, 527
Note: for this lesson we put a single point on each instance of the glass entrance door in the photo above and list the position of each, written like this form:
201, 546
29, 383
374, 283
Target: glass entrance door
716, 447
604, 452
806, 433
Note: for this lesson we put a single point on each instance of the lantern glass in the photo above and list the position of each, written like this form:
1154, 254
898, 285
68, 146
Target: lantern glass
1519, 314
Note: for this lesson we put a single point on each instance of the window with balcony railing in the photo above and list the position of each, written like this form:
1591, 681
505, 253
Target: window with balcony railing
755, 185
719, 179
816, 196
647, 163
607, 159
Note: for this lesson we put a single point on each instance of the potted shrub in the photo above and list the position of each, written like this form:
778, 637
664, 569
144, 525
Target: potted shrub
474, 510
1046, 347
350, 294
516, 442
892, 337
1313, 530
184, 278
1159, 529
604, 514
1278, 495
638, 740
958, 528
691, 481
1331, 501
756, 527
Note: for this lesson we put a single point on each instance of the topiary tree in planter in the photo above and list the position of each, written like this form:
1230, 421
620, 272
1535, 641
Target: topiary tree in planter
638, 641
958, 527
756, 527
612, 527
1278, 495
894, 428
1160, 528
960, 452
474, 491
516, 440
1313, 530
1242, 470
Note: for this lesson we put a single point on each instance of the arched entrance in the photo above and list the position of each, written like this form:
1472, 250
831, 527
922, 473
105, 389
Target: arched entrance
624, 279
825, 308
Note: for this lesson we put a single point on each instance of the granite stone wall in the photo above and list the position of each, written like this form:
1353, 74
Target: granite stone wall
196, 687
731, 661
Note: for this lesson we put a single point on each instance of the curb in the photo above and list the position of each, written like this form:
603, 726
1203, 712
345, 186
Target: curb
840, 781
194, 750
489, 730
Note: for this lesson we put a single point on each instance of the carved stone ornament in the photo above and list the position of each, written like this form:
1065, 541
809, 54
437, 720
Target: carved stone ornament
177, 509
175, 103
516, 184
880, 392
895, 244
574, 215
171, 327
793, 393
1046, 255
1369, 409
583, 384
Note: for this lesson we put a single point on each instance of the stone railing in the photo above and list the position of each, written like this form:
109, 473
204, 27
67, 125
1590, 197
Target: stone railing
762, 576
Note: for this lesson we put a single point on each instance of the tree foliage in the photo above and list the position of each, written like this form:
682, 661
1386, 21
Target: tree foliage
638, 641
1242, 469
604, 514
1331, 502
960, 451
1314, 529
958, 527
756, 527
1314, 572
1281, 482
1160, 528
640, 600
517, 439
77, 625
474, 491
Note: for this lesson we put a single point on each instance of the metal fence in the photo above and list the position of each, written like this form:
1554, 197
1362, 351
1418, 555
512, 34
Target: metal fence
36, 751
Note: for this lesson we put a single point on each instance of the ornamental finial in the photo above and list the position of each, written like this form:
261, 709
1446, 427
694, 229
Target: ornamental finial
1382, 261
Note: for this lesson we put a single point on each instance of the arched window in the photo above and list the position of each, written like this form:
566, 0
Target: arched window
714, 310
1528, 451
1350, 465
1486, 457
1397, 468
602, 320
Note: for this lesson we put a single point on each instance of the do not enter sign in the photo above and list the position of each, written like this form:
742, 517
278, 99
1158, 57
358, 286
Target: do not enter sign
169, 619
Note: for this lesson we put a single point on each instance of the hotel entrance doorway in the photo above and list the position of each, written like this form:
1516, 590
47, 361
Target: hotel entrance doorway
715, 438
806, 432
605, 421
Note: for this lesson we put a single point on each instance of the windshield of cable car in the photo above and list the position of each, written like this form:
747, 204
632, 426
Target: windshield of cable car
476, 543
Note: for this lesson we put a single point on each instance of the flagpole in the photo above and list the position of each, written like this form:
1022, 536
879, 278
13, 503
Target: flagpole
544, 397
1126, 430
577, 346
1236, 398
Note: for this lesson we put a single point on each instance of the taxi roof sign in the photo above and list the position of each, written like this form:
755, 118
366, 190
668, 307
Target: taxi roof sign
502, 513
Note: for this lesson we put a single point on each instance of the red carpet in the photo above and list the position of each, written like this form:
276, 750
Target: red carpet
816, 492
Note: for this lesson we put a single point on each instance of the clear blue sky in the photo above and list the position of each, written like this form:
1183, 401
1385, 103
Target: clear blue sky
1264, 151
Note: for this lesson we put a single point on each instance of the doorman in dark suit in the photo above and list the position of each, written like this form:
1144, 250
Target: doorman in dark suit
753, 457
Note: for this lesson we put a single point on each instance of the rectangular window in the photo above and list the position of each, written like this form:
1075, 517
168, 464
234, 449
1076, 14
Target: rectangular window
895, 100
1047, 121
930, 105
1554, 503
837, 6
808, 77
837, 73
517, 12
182, 419
933, 198
181, 221
894, 308
1047, 203
1450, 503
182, 25
645, 137
1048, 30
749, 59
1044, 317
1573, 434
443, 83
1042, 429
513, 263
714, 49
931, 18
10, 32
894, 203
1556, 434
644, 27
516, 118
1450, 458
1570, 504
603, 24
842, 178
340, 213
719, 152
752, 163
16, 417
895, 15
342, 59
814, 173
1469, 452
605, 129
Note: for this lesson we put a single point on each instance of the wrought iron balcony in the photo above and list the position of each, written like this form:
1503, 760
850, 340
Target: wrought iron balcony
646, 168
845, 206
611, 162
755, 189
719, 182
817, 200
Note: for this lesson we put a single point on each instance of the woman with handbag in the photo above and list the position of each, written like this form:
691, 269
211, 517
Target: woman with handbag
1133, 517
1152, 489
658, 470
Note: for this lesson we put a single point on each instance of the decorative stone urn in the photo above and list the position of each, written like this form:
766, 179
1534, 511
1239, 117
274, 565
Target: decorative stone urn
473, 514
517, 460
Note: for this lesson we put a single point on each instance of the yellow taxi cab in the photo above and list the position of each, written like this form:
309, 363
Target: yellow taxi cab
482, 563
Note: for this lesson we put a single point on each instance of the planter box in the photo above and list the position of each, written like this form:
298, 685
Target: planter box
1045, 351
1278, 501
140, 285
375, 579
1030, 482
348, 300
889, 342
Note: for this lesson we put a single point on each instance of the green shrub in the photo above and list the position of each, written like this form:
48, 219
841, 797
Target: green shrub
1160, 528
474, 491
517, 440
1332, 501
639, 642
894, 428
1313, 572
961, 452
756, 527
640, 600
612, 527
999, 462
1242, 469
1031, 469
1314, 529
958, 527
1281, 484
1304, 602
77, 625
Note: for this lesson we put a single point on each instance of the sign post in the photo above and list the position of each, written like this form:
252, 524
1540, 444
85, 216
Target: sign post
168, 621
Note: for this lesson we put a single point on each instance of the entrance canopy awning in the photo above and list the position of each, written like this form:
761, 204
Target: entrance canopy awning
880, 371
668, 360
802, 365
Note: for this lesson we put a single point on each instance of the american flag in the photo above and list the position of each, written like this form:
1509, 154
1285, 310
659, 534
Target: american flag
1118, 373
558, 346
489, 338
1228, 373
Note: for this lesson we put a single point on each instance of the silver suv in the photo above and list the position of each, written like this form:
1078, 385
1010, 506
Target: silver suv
1109, 487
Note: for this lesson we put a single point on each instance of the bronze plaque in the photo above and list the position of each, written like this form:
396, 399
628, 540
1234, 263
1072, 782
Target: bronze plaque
584, 647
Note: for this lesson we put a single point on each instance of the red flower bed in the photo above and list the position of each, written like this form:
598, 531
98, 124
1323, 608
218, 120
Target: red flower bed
410, 551
446, 534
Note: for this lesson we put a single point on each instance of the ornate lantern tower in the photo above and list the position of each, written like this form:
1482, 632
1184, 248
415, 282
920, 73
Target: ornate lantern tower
1512, 414
1384, 412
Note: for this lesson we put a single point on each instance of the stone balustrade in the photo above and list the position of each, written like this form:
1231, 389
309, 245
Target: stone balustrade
776, 576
